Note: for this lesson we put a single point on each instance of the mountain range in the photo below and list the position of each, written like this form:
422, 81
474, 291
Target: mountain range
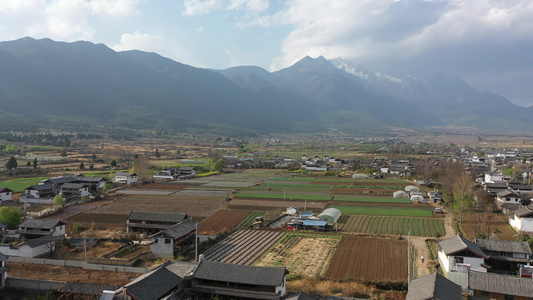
82, 84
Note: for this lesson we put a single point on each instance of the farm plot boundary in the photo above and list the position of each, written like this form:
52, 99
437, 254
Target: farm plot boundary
392, 225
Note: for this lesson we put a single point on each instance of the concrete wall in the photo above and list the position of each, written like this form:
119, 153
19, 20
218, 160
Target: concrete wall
33, 284
162, 249
79, 264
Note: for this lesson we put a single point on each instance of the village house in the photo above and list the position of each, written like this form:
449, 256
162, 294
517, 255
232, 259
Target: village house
69, 190
457, 254
58, 182
241, 281
497, 286
40, 191
34, 228
6, 194
522, 219
94, 183
31, 248
187, 172
152, 222
505, 255
433, 286
166, 242
125, 177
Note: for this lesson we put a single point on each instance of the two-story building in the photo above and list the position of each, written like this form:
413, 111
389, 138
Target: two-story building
166, 242
125, 177
152, 222
505, 255
69, 190
41, 191
457, 254
34, 228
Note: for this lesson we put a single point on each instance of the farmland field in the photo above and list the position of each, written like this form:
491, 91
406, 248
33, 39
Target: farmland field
385, 210
224, 220
391, 225
286, 196
371, 199
369, 259
291, 188
197, 207
261, 204
301, 254
243, 247
474, 224
18, 185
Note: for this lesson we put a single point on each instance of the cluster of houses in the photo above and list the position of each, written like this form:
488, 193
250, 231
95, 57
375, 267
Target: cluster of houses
173, 173
466, 265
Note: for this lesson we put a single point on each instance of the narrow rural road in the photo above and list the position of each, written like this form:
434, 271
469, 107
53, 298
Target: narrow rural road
419, 244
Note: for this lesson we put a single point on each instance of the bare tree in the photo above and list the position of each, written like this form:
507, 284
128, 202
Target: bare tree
142, 168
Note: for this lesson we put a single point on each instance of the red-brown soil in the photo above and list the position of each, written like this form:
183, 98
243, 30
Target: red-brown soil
475, 224
369, 259
224, 220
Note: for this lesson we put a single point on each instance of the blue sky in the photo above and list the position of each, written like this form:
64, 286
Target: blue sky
488, 43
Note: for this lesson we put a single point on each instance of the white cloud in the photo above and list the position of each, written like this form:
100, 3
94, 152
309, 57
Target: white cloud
386, 29
115, 8
203, 7
137, 41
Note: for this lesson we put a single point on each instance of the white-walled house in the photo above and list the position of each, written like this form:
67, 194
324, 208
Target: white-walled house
31, 248
6, 194
522, 219
75, 190
508, 196
458, 254
493, 177
125, 177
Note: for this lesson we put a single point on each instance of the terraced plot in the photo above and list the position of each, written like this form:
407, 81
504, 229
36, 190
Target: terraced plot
224, 220
376, 209
243, 247
391, 225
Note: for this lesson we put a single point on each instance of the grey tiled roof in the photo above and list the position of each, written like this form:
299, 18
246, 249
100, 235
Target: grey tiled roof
269, 276
524, 211
504, 246
181, 229
157, 216
153, 285
501, 284
73, 185
85, 288
458, 244
40, 223
41, 187
434, 286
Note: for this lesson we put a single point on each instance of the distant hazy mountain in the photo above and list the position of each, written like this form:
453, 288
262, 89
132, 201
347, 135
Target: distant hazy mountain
82, 84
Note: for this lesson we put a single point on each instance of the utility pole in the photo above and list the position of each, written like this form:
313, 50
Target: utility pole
85, 246
408, 258
196, 242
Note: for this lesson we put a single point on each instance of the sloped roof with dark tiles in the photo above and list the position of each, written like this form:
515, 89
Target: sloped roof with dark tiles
41, 187
458, 244
181, 229
501, 284
504, 246
524, 211
61, 180
85, 288
5, 190
125, 174
41, 223
153, 285
71, 185
41, 241
497, 185
91, 179
156, 216
434, 286
520, 186
266, 276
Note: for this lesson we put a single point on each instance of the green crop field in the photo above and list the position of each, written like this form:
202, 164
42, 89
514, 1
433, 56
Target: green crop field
385, 211
18, 185
250, 218
372, 199
366, 181
393, 225
296, 178
287, 196
291, 188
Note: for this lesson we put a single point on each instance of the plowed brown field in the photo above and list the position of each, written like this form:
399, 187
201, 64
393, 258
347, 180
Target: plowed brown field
475, 224
223, 220
369, 259
259, 204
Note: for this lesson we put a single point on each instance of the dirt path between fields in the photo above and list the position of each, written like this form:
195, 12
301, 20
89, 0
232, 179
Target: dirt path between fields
419, 244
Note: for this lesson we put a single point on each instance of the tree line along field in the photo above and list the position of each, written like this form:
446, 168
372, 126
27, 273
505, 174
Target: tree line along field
391, 225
